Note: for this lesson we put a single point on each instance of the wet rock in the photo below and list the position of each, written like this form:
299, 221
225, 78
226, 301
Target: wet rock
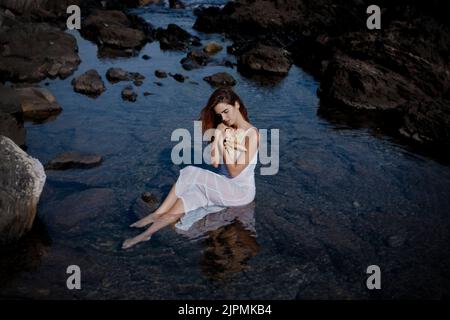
396, 241
195, 59
22, 179
141, 3
112, 28
149, 198
178, 77
76, 210
145, 205
176, 4
401, 69
12, 128
220, 79
9, 102
128, 94
160, 74
37, 103
53, 54
11, 116
175, 38
115, 75
428, 122
212, 48
265, 59
89, 83
73, 159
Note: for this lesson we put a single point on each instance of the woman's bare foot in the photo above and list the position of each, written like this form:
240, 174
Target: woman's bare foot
133, 241
145, 221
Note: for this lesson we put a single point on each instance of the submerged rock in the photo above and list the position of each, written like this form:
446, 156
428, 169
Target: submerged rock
75, 211
73, 159
22, 179
177, 76
195, 59
160, 74
129, 94
118, 74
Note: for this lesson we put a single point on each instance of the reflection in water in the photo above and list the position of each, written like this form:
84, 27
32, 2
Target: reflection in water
230, 240
227, 251
25, 254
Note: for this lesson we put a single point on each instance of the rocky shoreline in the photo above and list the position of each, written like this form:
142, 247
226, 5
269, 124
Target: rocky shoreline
401, 72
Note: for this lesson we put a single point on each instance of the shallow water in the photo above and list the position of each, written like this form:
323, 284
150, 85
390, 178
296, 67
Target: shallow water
344, 198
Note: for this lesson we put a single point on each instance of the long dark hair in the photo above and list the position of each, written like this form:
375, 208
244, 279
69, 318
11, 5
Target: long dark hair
208, 116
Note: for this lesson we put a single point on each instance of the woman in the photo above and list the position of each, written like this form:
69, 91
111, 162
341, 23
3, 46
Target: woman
235, 141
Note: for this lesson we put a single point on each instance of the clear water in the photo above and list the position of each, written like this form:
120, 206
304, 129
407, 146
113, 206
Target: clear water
344, 198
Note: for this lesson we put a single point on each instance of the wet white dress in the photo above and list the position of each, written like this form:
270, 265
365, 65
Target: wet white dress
203, 191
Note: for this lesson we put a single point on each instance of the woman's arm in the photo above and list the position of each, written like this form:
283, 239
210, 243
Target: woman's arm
217, 145
235, 166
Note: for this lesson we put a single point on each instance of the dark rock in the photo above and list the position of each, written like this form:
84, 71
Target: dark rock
428, 122
73, 159
178, 77
146, 57
265, 59
408, 56
396, 241
89, 83
141, 3
160, 74
220, 79
146, 93
12, 128
11, 116
113, 28
195, 59
176, 4
80, 208
37, 103
212, 48
9, 102
138, 83
364, 85
144, 205
129, 94
159, 84
113, 53
149, 198
53, 54
118, 74
22, 179
175, 38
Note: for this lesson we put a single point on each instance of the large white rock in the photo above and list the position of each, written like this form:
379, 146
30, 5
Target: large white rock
22, 179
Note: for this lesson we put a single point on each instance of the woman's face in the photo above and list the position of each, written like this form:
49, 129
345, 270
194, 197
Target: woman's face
228, 112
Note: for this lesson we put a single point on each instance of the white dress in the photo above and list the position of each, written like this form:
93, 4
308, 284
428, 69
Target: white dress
203, 191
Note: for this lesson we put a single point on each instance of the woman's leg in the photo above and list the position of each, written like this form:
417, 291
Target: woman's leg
169, 217
163, 208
